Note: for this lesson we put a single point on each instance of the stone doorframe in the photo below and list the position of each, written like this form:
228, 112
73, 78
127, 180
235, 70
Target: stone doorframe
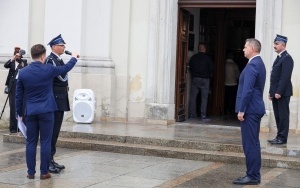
267, 25
160, 99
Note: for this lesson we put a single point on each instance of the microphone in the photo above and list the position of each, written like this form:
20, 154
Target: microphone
70, 53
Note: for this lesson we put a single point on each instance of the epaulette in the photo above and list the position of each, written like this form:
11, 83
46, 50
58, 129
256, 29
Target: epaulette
48, 58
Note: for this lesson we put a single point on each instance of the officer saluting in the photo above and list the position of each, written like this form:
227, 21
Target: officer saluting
60, 91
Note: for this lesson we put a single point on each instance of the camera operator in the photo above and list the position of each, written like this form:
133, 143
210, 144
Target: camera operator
14, 64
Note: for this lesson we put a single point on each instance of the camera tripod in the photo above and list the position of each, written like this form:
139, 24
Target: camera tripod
9, 90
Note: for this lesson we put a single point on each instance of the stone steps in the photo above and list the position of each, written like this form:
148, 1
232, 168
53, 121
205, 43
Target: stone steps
182, 149
187, 144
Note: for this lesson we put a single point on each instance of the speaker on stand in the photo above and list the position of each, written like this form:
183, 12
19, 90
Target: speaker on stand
83, 106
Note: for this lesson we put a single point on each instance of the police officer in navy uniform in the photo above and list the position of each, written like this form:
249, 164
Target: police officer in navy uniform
281, 89
60, 90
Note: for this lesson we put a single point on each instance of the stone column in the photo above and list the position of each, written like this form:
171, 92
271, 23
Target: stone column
86, 28
268, 24
298, 117
160, 107
96, 68
96, 35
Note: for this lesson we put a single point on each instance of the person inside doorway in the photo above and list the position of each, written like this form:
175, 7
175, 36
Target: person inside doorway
232, 74
201, 68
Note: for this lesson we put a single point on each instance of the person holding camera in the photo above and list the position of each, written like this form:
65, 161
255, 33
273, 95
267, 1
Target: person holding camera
14, 65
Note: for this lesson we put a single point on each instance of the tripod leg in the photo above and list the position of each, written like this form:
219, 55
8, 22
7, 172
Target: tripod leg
4, 106
11, 85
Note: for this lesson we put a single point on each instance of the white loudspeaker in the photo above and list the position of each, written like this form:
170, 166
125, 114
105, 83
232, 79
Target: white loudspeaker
83, 106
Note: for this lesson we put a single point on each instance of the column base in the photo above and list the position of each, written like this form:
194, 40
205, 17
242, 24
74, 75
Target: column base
162, 114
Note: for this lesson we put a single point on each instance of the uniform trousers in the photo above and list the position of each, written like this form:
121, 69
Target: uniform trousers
250, 139
58, 118
39, 124
282, 116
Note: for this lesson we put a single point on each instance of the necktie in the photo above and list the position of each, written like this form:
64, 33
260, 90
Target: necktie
277, 58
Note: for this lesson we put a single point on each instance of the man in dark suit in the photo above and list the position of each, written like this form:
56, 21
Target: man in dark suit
14, 65
60, 90
281, 89
251, 108
35, 83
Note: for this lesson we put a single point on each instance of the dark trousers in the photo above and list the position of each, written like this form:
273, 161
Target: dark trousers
202, 85
40, 124
58, 118
282, 116
251, 145
13, 123
229, 99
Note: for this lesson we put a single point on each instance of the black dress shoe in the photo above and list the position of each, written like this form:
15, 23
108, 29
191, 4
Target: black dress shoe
56, 165
278, 141
53, 169
272, 140
246, 181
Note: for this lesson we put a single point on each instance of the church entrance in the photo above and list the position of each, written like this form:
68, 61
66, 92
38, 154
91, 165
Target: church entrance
223, 28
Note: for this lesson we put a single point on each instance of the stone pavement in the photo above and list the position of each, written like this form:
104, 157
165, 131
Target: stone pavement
95, 169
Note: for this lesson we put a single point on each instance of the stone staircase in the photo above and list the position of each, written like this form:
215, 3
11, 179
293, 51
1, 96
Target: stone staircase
274, 157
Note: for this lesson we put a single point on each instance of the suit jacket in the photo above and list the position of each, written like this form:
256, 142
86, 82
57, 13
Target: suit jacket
36, 83
281, 76
11, 65
251, 87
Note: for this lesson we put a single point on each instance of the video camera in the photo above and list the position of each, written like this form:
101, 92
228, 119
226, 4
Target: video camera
22, 52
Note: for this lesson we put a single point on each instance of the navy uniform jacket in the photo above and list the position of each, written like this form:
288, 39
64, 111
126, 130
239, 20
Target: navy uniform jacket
251, 87
60, 84
36, 83
281, 76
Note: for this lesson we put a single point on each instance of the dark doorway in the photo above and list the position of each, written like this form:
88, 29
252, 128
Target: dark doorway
222, 30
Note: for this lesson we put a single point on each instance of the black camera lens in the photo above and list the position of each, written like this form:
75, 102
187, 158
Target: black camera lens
22, 52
